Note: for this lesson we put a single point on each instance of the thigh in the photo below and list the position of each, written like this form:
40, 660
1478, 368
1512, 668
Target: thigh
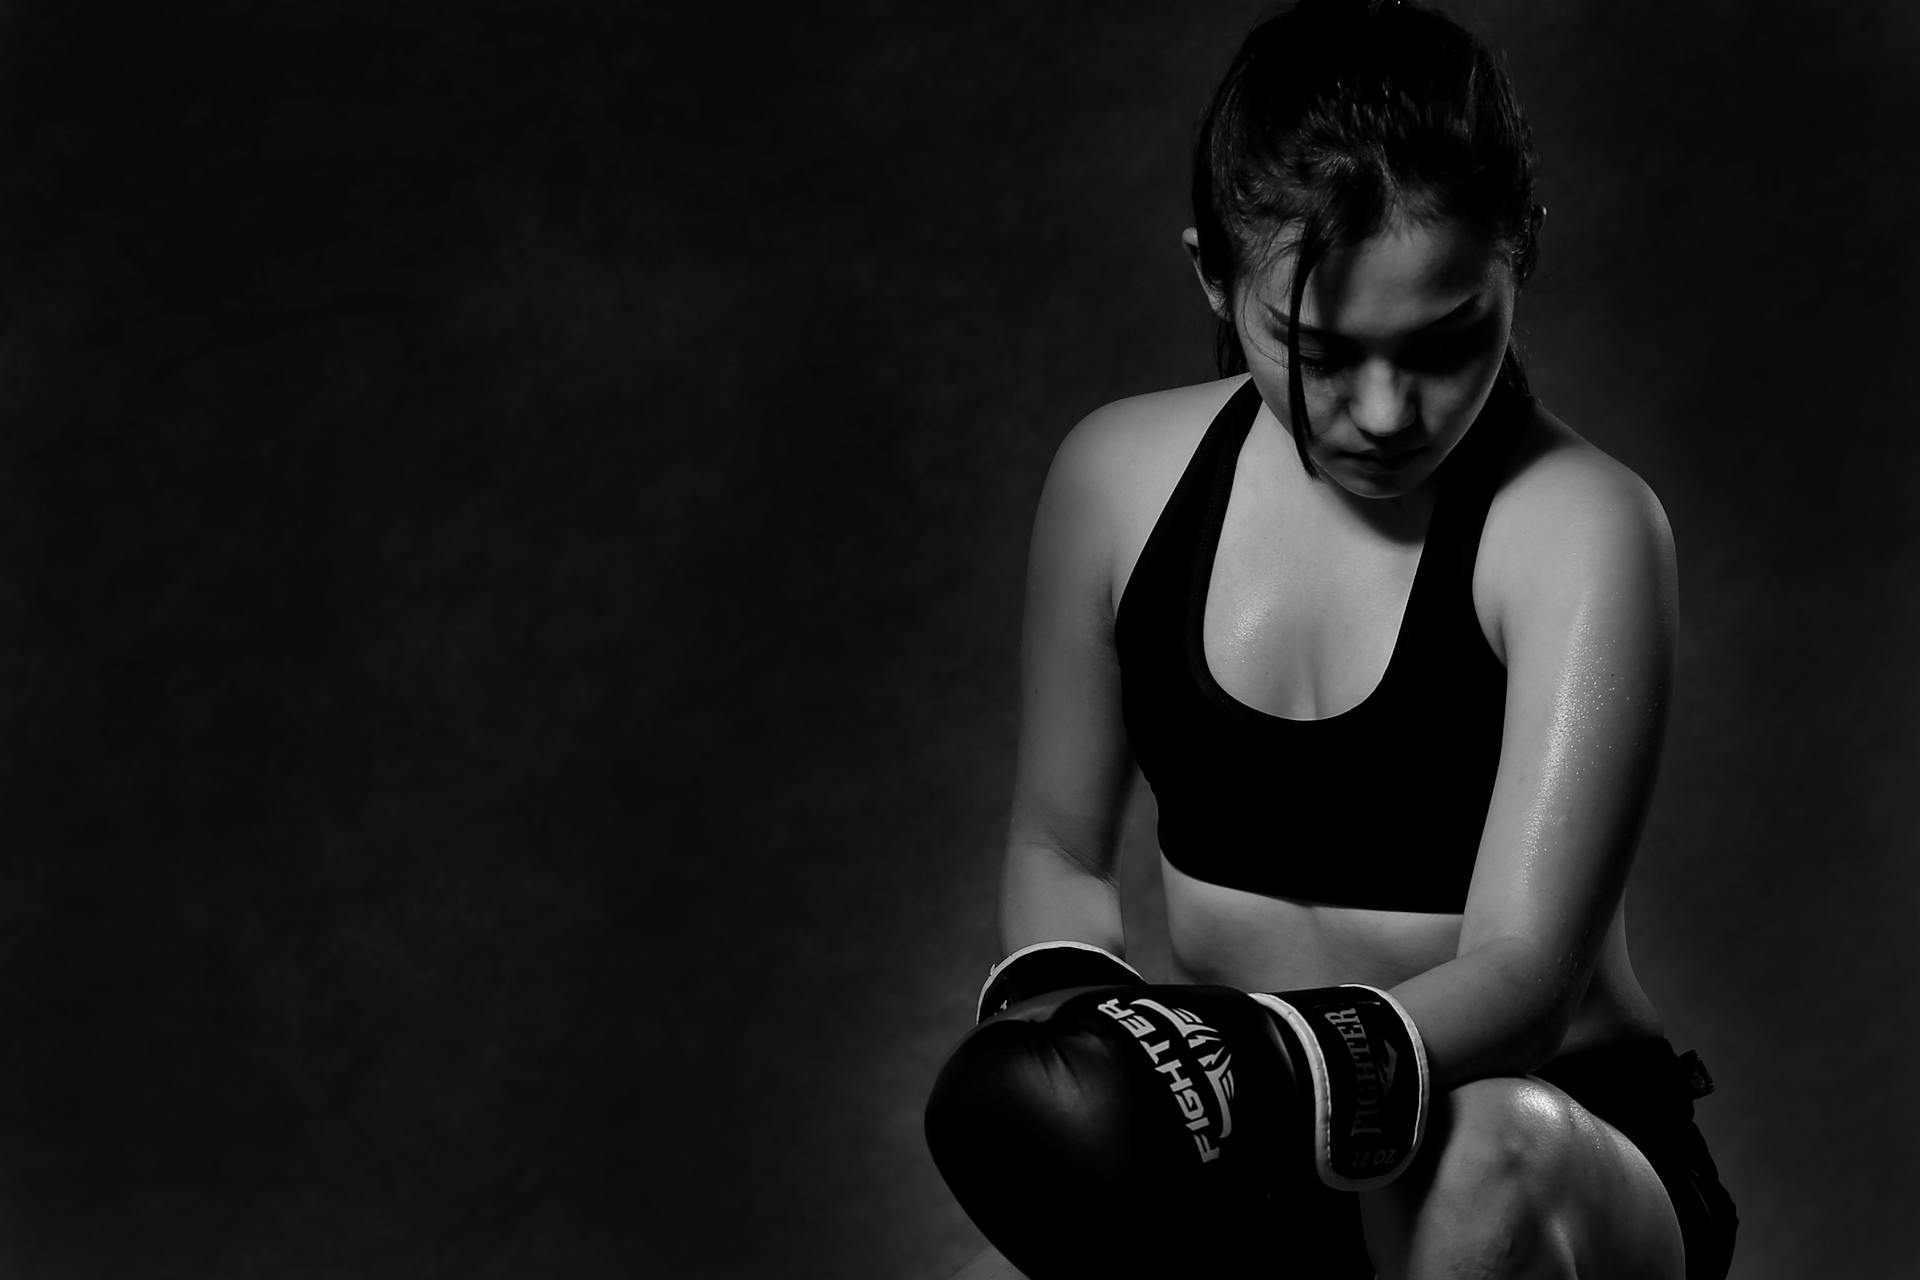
1647, 1092
1620, 1219
1516, 1174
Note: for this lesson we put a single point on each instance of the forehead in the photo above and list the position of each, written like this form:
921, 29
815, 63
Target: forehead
1398, 280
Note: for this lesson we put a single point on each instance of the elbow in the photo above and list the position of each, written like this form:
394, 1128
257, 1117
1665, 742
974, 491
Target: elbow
1546, 992
1548, 1012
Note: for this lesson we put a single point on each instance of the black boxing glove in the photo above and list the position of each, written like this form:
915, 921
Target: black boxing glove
1136, 1130
1368, 1069
1045, 967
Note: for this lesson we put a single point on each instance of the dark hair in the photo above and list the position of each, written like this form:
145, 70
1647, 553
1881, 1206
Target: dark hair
1337, 117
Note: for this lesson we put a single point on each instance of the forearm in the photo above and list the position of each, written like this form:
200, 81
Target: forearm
1496, 1010
1046, 896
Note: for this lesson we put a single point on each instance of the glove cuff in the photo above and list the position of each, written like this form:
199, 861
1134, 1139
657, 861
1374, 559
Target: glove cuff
1051, 966
1370, 1082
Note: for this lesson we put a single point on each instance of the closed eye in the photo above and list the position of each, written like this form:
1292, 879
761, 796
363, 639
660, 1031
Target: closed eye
1444, 345
1445, 352
1322, 355
1322, 363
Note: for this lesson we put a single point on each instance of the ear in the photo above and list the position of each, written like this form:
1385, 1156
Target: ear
1216, 301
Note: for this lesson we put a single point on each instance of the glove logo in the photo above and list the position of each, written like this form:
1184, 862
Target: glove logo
1177, 1045
1369, 1082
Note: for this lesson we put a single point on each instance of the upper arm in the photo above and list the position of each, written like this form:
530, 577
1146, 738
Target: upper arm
1587, 602
1073, 766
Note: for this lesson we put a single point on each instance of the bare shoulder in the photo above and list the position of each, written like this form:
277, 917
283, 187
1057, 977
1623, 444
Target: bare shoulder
1124, 442
1561, 491
1131, 453
1568, 521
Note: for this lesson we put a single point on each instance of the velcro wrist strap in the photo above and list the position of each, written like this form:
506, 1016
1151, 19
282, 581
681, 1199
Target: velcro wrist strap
1051, 966
1370, 1084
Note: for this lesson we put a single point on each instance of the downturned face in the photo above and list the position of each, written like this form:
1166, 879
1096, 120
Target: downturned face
1401, 338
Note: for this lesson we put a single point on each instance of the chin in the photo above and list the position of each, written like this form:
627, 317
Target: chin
1366, 484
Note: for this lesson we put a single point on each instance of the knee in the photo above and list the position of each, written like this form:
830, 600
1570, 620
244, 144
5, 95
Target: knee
1507, 1134
1487, 1195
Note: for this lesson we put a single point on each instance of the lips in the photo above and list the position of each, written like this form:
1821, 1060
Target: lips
1387, 461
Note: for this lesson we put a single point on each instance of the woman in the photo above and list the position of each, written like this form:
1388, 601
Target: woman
1393, 646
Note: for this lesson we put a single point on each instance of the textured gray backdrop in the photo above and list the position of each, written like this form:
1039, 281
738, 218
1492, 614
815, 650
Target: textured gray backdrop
511, 527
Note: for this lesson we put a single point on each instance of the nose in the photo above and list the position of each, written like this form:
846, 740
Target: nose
1382, 401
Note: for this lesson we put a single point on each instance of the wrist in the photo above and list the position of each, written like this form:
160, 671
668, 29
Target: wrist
1368, 1070
1041, 967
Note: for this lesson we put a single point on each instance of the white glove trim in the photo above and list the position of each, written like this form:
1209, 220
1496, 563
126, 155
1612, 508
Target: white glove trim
980, 1005
1323, 1103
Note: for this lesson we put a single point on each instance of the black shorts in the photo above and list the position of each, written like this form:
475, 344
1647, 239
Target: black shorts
1643, 1089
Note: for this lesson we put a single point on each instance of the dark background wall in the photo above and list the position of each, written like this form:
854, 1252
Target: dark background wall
511, 526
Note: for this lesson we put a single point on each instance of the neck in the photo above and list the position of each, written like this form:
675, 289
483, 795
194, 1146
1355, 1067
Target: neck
1402, 518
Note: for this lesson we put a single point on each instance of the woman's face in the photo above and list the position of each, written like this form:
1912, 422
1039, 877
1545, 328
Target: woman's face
1401, 338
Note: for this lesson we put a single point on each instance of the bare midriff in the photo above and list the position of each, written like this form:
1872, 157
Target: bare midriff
1258, 943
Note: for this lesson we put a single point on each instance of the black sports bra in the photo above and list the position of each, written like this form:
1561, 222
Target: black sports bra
1380, 806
